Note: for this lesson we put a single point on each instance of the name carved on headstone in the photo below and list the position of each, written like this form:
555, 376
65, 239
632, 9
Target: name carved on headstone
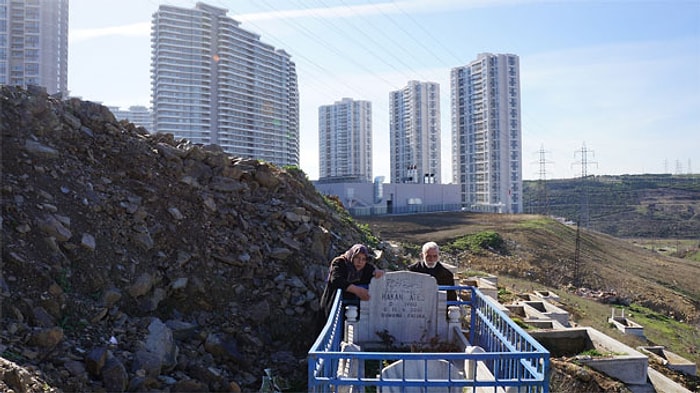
405, 305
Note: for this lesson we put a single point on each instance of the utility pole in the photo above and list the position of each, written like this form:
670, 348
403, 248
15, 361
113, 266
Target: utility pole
679, 167
584, 213
577, 256
544, 201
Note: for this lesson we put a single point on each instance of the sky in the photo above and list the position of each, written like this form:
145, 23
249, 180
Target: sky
607, 87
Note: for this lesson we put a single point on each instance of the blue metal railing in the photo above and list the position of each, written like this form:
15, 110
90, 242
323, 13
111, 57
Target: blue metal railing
513, 358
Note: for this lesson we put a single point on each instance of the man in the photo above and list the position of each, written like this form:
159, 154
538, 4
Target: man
430, 264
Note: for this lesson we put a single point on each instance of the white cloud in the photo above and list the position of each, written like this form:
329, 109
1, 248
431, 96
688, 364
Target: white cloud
386, 8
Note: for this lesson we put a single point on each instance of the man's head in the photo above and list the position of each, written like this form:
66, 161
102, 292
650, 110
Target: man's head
430, 254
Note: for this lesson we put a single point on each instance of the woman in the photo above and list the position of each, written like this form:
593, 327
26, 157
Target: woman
348, 272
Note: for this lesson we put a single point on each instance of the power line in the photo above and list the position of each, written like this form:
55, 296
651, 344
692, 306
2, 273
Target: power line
577, 256
679, 167
376, 107
349, 37
316, 38
426, 32
543, 163
373, 41
282, 44
410, 35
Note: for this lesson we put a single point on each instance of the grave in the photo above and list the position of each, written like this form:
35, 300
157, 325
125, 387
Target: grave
669, 359
489, 279
421, 370
626, 325
533, 317
526, 297
404, 308
405, 337
546, 295
544, 324
483, 284
614, 358
407, 310
662, 383
545, 310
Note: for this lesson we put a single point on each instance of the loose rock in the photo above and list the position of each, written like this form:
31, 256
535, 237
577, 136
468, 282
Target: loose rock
165, 230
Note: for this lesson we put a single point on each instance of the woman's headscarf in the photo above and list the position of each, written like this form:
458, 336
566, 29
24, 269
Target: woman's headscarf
355, 275
356, 249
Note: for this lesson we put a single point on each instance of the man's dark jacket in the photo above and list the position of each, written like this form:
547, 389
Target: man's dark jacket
442, 275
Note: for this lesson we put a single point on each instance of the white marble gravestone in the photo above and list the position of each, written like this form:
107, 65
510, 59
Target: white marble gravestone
405, 306
416, 370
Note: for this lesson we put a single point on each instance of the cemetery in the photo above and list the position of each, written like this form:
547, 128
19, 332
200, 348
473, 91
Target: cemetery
409, 338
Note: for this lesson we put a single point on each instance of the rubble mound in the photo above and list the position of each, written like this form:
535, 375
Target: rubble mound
138, 262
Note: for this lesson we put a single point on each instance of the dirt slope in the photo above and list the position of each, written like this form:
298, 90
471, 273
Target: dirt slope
139, 262
544, 251
540, 253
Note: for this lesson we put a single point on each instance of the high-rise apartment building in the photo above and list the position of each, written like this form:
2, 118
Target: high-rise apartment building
345, 141
414, 125
215, 83
34, 44
137, 114
486, 133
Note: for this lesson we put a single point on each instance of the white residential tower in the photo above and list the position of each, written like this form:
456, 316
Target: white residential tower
34, 44
486, 133
137, 114
345, 141
414, 126
215, 83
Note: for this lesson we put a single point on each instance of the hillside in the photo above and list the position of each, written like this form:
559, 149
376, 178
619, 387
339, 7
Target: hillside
627, 206
539, 252
139, 262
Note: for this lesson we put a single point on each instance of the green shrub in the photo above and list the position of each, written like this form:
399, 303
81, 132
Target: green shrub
478, 242
295, 170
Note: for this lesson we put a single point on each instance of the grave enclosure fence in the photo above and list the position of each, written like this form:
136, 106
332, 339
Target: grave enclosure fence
511, 361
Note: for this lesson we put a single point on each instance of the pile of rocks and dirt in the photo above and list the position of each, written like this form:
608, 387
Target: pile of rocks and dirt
140, 262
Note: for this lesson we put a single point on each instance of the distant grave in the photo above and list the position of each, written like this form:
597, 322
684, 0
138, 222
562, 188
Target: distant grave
669, 359
596, 350
626, 325
545, 310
